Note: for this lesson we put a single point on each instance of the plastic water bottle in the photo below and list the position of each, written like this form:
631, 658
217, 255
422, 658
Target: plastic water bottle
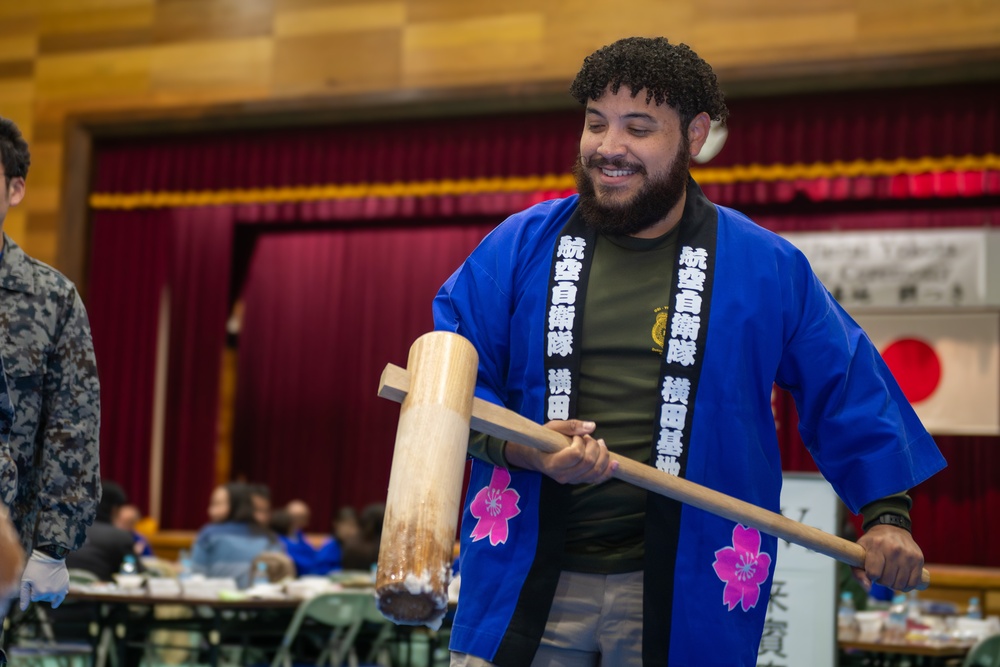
913, 606
895, 624
974, 610
260, 574
184, 559
847, 622
128, 565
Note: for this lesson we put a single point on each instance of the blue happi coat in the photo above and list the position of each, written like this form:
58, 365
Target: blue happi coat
770, 320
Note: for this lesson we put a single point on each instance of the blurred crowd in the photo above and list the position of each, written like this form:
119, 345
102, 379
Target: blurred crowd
242, 529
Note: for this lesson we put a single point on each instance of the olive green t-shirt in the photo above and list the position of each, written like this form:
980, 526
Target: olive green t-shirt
624, 325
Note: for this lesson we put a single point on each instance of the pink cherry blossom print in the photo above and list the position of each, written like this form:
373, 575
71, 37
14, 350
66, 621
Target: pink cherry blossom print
494, 506
743, 567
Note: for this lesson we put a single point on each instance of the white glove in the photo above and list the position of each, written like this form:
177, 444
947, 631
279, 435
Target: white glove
45, 579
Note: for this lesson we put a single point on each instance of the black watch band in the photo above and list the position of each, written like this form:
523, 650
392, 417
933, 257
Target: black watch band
53, 550
889, 519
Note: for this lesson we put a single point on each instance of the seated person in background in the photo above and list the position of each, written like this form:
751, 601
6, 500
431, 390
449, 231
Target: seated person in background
102, 554
345, 528
300, 514
260, 496
126, 519
281, 524
106, 546
218, 504
361, 551
288, 524
226, 549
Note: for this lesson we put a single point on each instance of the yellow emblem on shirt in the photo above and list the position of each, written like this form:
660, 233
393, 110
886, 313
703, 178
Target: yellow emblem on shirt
660, 329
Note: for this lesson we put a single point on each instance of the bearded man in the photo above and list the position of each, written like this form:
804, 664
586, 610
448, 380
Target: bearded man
640, 318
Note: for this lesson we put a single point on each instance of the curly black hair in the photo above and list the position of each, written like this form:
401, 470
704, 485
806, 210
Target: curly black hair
13, 151
670, 73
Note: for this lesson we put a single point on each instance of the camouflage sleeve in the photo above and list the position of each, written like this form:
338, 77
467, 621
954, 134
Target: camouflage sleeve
69, 481
6, 409
8, 468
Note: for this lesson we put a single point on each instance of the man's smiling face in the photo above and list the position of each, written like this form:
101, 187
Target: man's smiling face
633, 166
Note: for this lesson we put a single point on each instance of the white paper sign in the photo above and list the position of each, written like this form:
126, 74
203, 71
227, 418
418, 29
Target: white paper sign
922, 268
800, 626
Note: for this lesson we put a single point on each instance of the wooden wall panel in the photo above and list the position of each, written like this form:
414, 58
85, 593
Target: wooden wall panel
436, 11
574, 32
99, 19
333, 19
436, 53
903, 27
178, 21
777, 37
16, 46
71, 63
93, 74
216, 65
328, 62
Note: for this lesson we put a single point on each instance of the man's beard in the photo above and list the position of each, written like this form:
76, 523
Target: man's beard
645, 208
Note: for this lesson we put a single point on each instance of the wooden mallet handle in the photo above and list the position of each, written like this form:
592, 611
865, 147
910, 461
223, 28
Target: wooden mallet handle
505, 424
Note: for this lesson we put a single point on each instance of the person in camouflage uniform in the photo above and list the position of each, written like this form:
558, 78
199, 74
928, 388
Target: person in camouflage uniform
48, 354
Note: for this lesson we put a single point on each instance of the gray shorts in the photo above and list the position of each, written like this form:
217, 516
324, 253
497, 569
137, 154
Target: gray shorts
595, 619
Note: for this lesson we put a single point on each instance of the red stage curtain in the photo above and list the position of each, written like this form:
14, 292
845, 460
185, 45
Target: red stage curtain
381, 152
199, 283
956, 511
324, 311
135, 255
785, 131
878, 124
128, 270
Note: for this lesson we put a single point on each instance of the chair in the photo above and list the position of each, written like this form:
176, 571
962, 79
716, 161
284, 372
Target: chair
33, 641
343, 613
81, 577
102, 651
986, 653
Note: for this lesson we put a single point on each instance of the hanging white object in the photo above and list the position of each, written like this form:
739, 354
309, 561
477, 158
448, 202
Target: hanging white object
717, 135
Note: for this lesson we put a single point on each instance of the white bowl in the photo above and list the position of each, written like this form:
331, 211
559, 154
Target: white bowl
870, 624
128, 581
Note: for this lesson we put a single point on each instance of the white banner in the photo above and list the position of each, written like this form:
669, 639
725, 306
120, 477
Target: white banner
912, 268
948, 365
800, 626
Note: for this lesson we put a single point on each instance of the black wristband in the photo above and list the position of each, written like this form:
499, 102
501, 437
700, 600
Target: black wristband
53, 550
889, 519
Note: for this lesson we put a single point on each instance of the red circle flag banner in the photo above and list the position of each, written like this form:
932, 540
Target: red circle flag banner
947, 364
916, 367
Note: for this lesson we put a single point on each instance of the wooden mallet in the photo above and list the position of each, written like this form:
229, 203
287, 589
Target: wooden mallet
425, 482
